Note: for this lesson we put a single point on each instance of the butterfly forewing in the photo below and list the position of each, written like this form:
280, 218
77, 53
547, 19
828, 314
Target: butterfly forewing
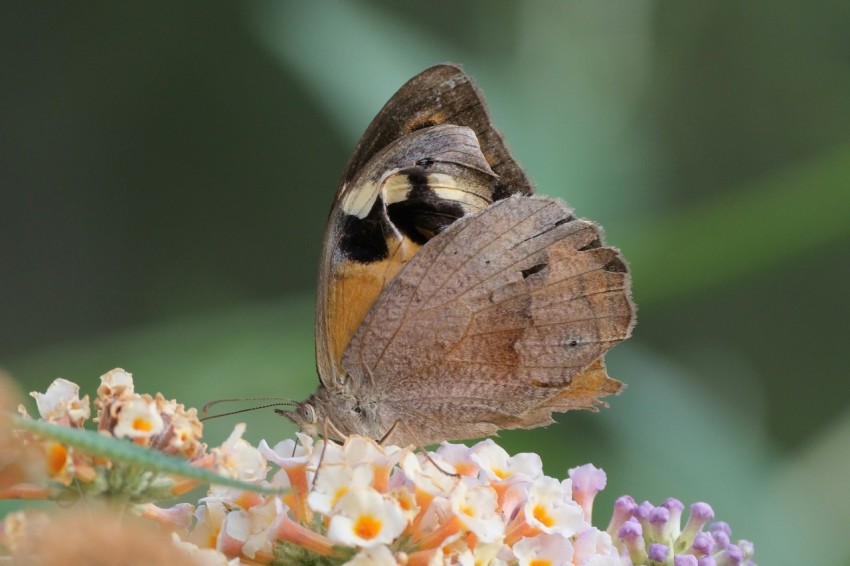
442, 94
429, 157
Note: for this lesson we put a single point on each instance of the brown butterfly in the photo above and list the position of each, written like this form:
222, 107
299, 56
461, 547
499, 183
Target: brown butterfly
453, 303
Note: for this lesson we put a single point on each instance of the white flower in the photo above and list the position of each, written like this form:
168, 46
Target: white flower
365, 518
238, 459
544, 550
460, 457
334, 481
209, 521
202, 556
426, 476
378, 555
116, 384
138, 418
477, 509
595, 548
358, 449
261, 518
499, 467
288, 451
62, 400
550, 509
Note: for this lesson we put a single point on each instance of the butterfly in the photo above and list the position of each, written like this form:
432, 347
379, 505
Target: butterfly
452, 301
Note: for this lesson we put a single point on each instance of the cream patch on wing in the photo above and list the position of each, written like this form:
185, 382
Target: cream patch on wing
396, 188
360, 199
447, 187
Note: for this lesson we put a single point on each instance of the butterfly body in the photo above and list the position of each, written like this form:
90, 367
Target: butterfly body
452, 303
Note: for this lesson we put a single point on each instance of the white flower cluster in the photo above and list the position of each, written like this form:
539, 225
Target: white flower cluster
361, 503
151, 421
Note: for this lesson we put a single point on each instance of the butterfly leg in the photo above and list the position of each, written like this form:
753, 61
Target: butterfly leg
398, 424
328, 428
389, 433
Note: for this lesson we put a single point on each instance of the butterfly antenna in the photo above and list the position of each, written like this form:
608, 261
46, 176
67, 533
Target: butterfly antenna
277, 402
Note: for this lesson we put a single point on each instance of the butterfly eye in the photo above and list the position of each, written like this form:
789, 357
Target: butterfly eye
308, 413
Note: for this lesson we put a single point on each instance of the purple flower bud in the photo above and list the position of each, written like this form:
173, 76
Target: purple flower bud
747, 547
701, 513
630, 530
643, 510
624, 508
658, 552
721, 539
658, 519
675, 507
703, 544
730, 556
649, 535
631, 534
587, 480
659, 516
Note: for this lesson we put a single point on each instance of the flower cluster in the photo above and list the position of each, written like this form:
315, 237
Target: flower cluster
361, 503
650, 534
153, 422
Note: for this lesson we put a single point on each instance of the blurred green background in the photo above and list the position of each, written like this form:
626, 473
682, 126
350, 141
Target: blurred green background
167, 170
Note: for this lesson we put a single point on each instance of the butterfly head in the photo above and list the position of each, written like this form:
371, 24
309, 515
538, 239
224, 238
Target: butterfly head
337, 414
304, 415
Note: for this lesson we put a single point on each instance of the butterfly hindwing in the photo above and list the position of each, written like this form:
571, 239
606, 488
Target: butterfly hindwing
502, 319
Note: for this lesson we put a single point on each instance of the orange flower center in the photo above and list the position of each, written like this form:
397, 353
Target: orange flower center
367, 527
539, 562
338, 494
543, 516
57, 455
142, 424
466, 468
500, 473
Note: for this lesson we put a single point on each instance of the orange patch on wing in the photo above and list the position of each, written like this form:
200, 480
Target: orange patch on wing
355, 288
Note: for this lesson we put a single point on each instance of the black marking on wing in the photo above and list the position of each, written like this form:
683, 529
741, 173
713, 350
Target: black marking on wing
616, 265
526, 273
363, 239
423, 214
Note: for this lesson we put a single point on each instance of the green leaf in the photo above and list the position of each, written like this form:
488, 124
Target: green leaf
129, 453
